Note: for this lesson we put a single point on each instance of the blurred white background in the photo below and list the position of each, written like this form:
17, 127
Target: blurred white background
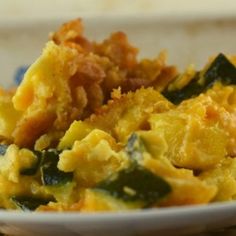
55, 8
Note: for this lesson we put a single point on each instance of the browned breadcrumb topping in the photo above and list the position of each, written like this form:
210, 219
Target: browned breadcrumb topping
91, 72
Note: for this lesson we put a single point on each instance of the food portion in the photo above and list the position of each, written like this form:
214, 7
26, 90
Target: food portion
93, 128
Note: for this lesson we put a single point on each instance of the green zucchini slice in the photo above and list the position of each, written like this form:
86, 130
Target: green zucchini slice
50, 174
192, 89
136, 184
27, 203
221, 69
47, 163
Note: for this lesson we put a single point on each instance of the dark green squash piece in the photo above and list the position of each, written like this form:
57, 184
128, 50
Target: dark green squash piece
221, 69
50, 174
193, 88
27, 203
3, 149
47, 163
136, 184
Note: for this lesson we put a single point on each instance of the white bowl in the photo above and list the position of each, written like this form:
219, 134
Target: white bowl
169, 221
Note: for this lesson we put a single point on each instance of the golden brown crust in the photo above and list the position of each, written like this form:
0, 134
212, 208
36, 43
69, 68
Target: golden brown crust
31, 127
118, 49
77, 77
129, 112
71, 34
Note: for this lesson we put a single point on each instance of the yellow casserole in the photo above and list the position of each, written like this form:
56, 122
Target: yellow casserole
92, 128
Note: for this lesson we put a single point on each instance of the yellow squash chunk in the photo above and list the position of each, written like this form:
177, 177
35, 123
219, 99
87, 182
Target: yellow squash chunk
8, 117
77, 131
223, 176
129, 112
12, 183
98, 201
44, 94
14, 161
186, 188
194, 140
93, 158
225, 114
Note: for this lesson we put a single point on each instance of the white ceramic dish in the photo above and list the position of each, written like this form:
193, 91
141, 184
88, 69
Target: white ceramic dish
189, 39
169, 221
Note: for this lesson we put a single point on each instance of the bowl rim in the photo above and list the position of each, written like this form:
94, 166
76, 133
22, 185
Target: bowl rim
122, 216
